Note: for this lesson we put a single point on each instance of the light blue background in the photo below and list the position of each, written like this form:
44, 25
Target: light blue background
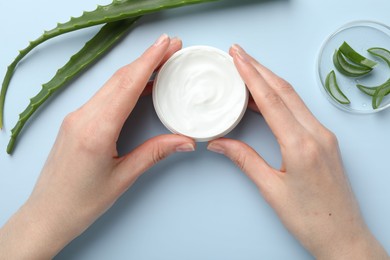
199, 205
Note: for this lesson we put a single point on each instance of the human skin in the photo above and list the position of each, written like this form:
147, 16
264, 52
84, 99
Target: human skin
83, 175
310, 192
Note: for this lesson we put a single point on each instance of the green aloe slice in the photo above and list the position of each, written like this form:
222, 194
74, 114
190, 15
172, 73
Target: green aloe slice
367, 90
379, 94
371, 90
381, 53
106, 38
347, 68
334, 90
355, 57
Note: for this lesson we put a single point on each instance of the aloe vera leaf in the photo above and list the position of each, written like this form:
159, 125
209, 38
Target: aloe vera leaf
347, 68
355, 57
117, 10
108, 35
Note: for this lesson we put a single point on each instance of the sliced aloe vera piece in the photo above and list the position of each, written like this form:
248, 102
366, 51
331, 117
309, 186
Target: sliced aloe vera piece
367, 90
347, 68
355, 57
334, 90
380, 93
381, 53
371, 90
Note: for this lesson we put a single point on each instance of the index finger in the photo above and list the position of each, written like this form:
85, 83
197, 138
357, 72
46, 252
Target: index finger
274, 110
113, 103
289, 96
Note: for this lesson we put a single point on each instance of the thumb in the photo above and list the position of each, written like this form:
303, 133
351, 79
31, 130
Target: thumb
132, 165
247, 159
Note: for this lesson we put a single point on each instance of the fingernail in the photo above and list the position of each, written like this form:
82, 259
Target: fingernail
161, 39
189, 147
215, 148
240, 53
175, 39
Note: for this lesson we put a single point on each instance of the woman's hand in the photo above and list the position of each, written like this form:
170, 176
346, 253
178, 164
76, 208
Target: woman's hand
310, 192
83, 175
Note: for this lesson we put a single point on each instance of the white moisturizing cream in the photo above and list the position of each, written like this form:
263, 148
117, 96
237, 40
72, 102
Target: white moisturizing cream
199, 93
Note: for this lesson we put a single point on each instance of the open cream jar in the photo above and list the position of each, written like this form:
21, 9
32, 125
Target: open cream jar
199, 93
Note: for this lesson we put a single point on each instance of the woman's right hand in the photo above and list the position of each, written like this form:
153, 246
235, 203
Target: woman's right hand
310, 192
84, 174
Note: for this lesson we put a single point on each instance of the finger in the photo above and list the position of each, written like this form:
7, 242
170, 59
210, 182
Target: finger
247, 159
252, 105
132, 165
175, 45
287, 94
271, 106
113, 103
148, 89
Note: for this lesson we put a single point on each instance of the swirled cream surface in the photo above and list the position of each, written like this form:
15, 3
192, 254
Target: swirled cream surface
199, 93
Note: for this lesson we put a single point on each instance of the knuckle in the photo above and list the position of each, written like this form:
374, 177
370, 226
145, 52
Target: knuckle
312, 149
330, 138
69, 123
158, 154
282, 83
309, 148
284, 86
84, 135
273, 99
316, 150
124, 77
311, 153
240, 160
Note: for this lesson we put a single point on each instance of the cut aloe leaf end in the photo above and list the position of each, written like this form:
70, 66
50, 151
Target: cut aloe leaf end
355, 57
382, 91
371, 90
367, 90
381, 53
334, 90
348, 69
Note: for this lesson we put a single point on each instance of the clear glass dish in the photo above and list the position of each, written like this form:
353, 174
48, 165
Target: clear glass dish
360, 35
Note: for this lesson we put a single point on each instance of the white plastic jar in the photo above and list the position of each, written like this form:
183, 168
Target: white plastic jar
199, 93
